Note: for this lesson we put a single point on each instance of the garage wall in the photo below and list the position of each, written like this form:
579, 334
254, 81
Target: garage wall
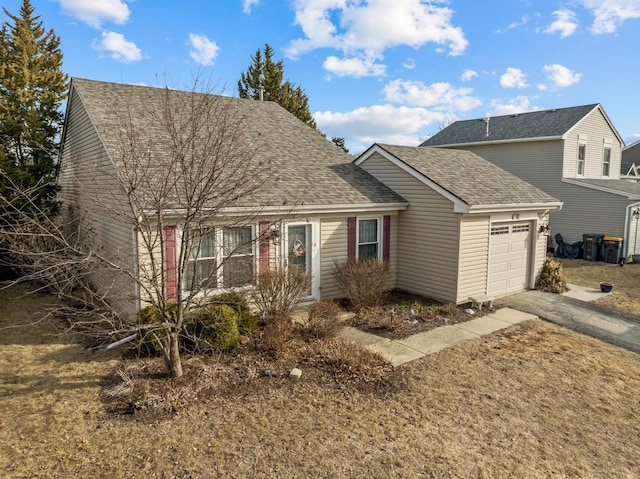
474, 256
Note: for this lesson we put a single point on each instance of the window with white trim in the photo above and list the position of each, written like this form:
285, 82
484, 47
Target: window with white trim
221, 258
582, 155
606, 159
368, 239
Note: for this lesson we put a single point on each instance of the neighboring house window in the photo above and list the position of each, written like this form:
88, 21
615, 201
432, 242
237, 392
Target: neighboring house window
582, 154
236, 258
368, 238
606, 161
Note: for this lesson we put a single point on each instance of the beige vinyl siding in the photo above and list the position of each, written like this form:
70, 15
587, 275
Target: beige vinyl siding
474, 256
588, 211
96, 207
536, 162
595, 128
334, 247
429, 232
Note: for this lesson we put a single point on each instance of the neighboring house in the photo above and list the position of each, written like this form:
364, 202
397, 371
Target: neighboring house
445, 234
317, 198
571, 153
462, 235
630, 162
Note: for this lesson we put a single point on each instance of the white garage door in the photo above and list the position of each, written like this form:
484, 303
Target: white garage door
509, 257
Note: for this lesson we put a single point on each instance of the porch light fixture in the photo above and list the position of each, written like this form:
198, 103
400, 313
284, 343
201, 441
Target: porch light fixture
274, 235
544, 229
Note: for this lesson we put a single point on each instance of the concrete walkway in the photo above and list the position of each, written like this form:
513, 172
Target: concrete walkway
400, 351
575, 311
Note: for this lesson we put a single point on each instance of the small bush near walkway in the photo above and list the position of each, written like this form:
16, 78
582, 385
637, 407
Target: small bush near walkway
365, 282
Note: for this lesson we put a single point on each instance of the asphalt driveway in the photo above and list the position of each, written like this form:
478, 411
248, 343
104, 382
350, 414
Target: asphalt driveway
598, 321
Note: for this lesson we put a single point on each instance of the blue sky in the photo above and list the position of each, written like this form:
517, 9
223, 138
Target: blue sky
393, 71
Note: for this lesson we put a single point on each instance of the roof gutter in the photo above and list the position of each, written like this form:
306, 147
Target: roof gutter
292, 210
496, 142
550, 206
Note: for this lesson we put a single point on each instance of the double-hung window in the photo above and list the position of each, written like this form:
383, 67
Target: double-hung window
606, 161
582, 155
237, 266
220, 258
202, 261
368, 238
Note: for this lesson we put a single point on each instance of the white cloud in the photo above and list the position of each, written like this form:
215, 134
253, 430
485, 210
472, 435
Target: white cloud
441, 96
367, 29
354, 67
523, 21
248, 4
611, 14
119, 48
409, 63
96, 12
561, 76
378, 123
519, 104
468, 75
565, 23
203, 51
513, 78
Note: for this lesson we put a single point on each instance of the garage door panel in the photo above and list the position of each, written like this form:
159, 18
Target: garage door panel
509, 257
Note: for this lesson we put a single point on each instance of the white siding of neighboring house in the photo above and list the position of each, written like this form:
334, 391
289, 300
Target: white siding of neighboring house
334, 245
474, 256
84, 160
595, 129
429, 232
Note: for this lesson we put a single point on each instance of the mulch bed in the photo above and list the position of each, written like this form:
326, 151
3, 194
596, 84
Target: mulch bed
405, 314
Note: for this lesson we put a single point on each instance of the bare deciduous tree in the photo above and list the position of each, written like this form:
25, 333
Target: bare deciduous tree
185, 175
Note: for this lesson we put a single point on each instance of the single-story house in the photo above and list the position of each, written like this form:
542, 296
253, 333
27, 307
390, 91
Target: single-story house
130, 154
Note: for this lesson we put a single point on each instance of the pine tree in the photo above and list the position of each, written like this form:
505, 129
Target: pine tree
267, 74
32, 89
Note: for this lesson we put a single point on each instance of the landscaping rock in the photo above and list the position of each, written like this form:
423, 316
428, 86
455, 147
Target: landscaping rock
295, 373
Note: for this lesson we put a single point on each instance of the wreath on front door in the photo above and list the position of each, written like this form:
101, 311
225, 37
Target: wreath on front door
298, 249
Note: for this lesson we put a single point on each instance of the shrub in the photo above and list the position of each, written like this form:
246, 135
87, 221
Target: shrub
215, 327
151, 335
324, 319
247, 321
552, 278
365, 282
279, 291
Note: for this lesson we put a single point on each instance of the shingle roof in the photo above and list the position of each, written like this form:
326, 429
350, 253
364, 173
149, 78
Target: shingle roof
306, 167
535, 124
488, 185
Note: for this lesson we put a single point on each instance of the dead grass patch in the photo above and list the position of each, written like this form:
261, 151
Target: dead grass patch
625, 296
535, 400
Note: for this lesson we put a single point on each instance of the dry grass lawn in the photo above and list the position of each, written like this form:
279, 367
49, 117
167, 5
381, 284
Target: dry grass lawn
533, 401
625, 296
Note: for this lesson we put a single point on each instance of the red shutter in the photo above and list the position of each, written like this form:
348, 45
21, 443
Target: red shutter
351, 237
264, 246
171, 282
386, 237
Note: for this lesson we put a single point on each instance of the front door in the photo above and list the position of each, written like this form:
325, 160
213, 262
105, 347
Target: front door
300, 251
